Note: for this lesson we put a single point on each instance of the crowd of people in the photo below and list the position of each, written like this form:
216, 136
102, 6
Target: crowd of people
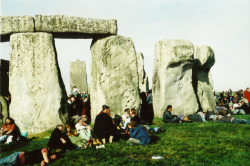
131, 126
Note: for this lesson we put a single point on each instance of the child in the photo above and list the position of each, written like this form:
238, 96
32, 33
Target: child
126, 118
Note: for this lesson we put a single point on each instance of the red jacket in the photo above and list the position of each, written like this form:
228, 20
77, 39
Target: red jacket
247, 95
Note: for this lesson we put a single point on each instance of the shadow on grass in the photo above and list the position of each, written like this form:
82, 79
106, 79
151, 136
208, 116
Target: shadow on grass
15, 145
154, 139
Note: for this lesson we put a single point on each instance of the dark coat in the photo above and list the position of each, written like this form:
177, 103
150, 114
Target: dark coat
136, 119
103, 127
56, 143
140, 133
245, 108
167, 116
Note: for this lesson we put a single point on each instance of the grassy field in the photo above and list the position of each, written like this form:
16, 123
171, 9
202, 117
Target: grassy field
182, 144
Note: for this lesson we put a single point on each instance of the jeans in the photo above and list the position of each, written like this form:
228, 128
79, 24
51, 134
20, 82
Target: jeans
134, 141
13, 159
240, 121
239, 110
4, 138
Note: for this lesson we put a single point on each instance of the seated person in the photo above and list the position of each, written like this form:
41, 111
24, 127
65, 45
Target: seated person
134, 116
83, 129
58, 140
9, 129
230, 119
138, 134
220, 109
42, 156
243, 108
103, 127
168, 117
126, 118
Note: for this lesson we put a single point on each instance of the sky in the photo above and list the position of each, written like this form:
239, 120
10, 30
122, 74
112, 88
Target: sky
223, 25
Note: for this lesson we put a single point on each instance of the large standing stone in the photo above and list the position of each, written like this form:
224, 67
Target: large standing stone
143, 78
172, 78
14, 24
60, 25
38, 102
202, 78
114, 75
78, 76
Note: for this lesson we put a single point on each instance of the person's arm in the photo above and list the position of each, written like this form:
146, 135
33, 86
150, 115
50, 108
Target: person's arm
63, 140
45, 160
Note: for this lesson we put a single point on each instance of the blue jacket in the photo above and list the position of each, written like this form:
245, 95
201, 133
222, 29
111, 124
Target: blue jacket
140, 133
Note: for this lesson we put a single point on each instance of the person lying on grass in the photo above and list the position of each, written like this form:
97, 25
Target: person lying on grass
42, 156
138, 134
230, 119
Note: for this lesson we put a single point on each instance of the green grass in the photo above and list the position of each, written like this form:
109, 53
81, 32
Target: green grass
182, 144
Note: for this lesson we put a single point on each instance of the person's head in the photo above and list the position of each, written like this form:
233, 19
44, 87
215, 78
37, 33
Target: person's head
248, 89
132, 124
105, 109
133, 112
169, 108
60, 127
67, 128
9, 120
219, 117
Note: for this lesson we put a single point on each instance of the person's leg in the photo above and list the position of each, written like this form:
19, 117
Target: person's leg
134, 141
242, 112
13, 159
235, 112
240, 121
3, 138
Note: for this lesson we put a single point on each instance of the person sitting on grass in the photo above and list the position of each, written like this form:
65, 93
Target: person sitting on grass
9, 130
42, 156
84, 130
59, 141
168, 117
103, 127
230, 119
243, 108
138, 134
134, 116
126, 118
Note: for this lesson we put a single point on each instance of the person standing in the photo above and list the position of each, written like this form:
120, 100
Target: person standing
247, 94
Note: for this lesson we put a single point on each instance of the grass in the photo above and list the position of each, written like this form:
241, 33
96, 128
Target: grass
182, 144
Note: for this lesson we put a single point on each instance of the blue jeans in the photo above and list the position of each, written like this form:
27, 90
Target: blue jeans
13, 159
239, 110
4, 138
240, 121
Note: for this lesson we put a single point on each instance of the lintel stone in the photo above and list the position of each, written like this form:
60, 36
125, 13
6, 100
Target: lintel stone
15, 24
75, 27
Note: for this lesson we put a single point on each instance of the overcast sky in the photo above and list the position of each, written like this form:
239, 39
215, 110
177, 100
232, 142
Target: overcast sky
224, 25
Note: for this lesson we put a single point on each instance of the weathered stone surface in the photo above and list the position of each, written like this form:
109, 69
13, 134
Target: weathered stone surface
84, 27
114, 75
4, 110
143, 78
14, 24
202, 78
78, 76
172, 77
4, 78
38, 102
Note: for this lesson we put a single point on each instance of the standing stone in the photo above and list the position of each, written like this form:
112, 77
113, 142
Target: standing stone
38, 99
172, 77
14, 24
78, 76
59, 25
203, 83
114, 75
143, 78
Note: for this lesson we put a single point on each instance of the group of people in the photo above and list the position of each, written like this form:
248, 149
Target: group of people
233, 103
